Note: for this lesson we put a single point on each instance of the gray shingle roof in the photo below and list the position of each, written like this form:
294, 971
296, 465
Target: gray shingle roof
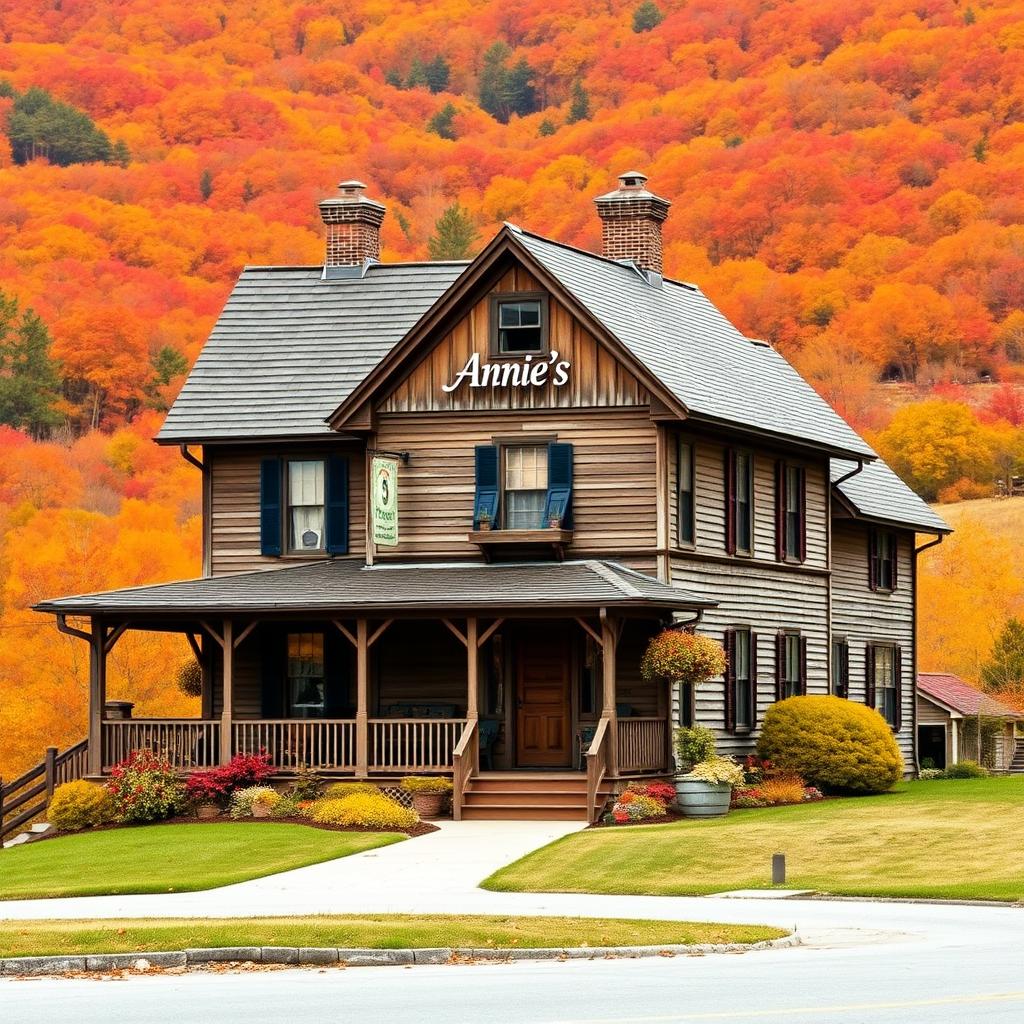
346, 585
876, 492
288, 347
689, 345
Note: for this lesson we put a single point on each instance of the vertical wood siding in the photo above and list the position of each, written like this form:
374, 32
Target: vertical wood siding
865, 616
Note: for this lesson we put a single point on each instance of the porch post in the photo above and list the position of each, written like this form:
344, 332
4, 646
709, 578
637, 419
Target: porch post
609, 642
228, 647
473, 682
97, 694
362, 687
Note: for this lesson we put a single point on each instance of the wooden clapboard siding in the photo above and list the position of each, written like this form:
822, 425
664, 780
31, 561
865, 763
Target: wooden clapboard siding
929, 713
613, 477
764, 599
596, 378
235, 506
865, 616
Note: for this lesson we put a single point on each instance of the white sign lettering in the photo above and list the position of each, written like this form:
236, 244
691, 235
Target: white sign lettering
527, 374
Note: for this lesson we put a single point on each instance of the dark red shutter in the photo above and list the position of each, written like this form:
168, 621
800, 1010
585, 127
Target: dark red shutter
872, 559
780, 511
897, 673
803, 665
894, 549
780, 663
753, 680
730, 501
869, 675
802, 505
730, 679
844, 670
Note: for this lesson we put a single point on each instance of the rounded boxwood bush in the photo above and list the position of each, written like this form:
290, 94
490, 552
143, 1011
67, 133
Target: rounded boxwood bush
835, 744
365, 810
78, 805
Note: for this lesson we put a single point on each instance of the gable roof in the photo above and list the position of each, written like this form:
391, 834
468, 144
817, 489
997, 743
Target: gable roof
878, 494
958, 695
347, 585
289, 345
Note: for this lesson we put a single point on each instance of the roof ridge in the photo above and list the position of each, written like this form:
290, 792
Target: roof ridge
606, 570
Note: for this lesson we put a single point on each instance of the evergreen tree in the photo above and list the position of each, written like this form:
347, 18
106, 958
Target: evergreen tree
437, 74
1005, 669
167, 364
647, 16
981, 148
29, 383
522, 97
492, 84
579, 107
206, 184
442, 123
393, 77
120, 154
417, 74
547, 127
248, 191
40, 126
969, 16
454, 235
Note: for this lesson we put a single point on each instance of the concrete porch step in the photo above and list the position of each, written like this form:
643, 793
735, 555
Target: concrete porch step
524, 812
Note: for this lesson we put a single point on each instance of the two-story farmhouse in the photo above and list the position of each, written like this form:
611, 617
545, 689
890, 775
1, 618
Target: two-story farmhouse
447, 504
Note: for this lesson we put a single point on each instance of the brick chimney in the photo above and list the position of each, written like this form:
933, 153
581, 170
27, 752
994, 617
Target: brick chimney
631, 219
353, 226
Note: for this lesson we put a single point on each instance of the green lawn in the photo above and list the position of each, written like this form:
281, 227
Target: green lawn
383, 931
170, 858
943, 839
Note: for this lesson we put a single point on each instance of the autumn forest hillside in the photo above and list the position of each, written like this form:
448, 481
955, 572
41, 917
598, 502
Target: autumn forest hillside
847, 182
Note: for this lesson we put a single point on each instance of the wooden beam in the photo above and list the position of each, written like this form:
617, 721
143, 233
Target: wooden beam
362, 687
584, 625
489, 632
346, 632
378, 632
193, 643
245, 632
97, 696
113, 636
228, 690
213, 633
456, 631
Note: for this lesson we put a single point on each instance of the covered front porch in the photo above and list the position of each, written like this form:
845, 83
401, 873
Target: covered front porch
384, 671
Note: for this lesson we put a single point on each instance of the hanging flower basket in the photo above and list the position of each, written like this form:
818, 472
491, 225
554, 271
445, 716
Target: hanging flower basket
678, 657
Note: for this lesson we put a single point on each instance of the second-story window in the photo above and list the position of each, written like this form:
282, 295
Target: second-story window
740, 679
882, 554
518, 325
306, 505
526, 486
739, 502
790, 515
685, 510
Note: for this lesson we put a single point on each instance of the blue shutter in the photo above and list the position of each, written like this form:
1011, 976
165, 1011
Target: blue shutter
270, 507
336, 510
558, 503
486, 473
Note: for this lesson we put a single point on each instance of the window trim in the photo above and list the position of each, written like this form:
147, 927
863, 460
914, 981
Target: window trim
689, 542
503, 490
289, 704
732, 502
286, 507
782, 639
875, 560
840, 687
733, 684
783, 469
494, 347
872, 686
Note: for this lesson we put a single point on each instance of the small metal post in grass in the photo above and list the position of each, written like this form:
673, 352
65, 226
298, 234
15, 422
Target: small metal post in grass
778, 869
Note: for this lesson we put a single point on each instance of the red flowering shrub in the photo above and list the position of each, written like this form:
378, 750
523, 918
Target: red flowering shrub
676, 656
215, 785
663, 791
144, 787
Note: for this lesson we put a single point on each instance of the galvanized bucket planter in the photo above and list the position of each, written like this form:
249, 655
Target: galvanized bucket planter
699, 799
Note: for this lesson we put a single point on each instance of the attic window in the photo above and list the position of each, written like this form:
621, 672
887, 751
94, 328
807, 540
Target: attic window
519, 325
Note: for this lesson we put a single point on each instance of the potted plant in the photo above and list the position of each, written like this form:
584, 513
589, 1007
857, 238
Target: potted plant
705, 791
694, 743
483, 520
554, 523
429, 793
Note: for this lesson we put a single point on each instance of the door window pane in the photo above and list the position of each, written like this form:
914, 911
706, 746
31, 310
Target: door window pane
306, 505
526, 487
306, 689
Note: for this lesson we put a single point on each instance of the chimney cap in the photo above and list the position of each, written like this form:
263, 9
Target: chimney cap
633, 179
352, 185
632, 186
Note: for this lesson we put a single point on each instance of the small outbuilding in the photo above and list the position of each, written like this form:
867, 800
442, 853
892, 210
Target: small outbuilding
952, 714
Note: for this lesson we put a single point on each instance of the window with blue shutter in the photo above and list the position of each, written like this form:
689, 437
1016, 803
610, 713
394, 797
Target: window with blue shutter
485, 502
558, 503
270, 507
336, 526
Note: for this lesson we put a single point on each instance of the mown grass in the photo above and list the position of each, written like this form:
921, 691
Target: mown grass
383, 931
942, 839
170, 858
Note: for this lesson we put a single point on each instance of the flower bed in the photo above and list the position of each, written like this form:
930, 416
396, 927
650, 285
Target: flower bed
765, 785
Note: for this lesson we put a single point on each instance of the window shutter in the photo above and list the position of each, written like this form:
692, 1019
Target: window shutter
894, 548
780, 511
897, 673
872, 560
753, 680
844, 670
802, 505
336, 511
486, 471
869, 675
557, 504
780, 663
730, 680
270, 506
730, 501
803, 665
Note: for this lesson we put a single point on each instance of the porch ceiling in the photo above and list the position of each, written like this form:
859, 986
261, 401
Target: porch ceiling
346, 586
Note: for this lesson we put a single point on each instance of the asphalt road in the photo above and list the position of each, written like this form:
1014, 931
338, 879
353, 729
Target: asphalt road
945, 965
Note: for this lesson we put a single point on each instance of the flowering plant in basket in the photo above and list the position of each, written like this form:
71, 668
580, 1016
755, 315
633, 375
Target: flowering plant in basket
677, 656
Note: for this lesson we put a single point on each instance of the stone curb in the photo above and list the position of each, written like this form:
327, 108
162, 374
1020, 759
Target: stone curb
35, 966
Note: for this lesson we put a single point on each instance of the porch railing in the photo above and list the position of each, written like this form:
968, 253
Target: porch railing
28, 796
413, 744
185, 742
597, 766
295, 743
642, 744
465, 758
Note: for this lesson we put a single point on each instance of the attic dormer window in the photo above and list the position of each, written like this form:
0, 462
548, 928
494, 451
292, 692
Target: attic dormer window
519, 325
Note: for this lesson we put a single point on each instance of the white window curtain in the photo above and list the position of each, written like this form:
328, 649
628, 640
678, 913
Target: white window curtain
306, 505
526, 486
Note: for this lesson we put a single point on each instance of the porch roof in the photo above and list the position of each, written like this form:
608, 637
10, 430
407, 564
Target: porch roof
348, 586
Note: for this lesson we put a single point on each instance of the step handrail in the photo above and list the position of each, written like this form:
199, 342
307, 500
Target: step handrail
55, 769
464, 764
597, 765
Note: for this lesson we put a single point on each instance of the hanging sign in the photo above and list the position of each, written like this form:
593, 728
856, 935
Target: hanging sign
384, 490
530, 373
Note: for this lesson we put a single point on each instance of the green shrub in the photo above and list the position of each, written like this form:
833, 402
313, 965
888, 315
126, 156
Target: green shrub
838, 745
145, 788
694, 743
286, 807
966, 770
718, 771
307, 785
243, 800
78, 805
426, 784
337, 790
365, 810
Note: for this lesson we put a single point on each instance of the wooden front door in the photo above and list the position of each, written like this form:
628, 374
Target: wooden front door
543, 705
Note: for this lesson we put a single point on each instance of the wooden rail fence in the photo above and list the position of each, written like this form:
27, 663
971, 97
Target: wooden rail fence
28, 796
